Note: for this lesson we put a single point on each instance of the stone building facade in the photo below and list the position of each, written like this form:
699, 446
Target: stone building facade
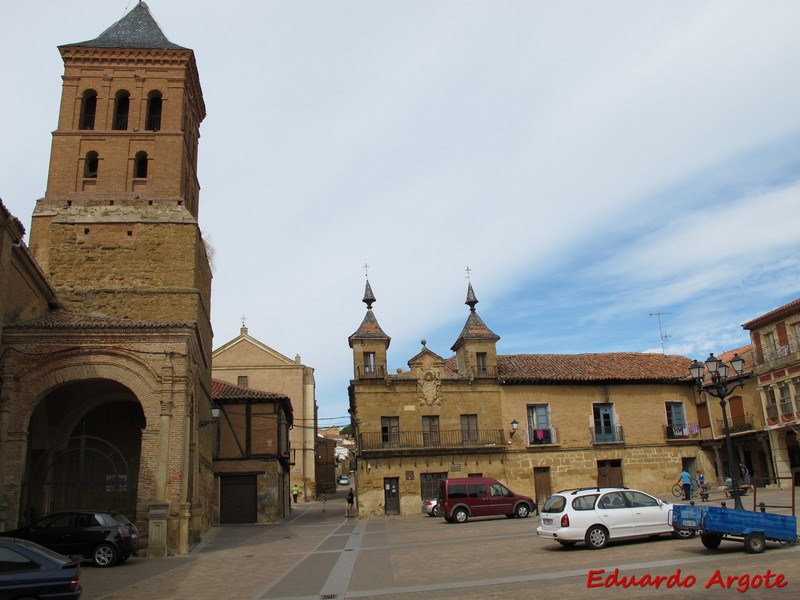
775, 338
249, 363
105, 356
537, 422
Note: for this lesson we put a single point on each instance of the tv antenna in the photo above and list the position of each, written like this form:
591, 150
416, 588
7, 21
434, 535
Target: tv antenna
662, 334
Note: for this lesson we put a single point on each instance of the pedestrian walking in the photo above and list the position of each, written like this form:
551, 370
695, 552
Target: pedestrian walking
686, 480
350, 501
324, 500
295, 493
746, 476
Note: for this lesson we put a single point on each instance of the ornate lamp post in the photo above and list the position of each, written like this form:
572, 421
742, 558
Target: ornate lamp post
720, 386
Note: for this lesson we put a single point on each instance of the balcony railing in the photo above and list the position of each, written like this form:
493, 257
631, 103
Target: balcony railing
775, 356
738, 423
480, 372
541, 437
376, 372
607, 435
408, 440
690, 430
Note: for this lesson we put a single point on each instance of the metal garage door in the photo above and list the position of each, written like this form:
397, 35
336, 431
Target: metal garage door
237, 502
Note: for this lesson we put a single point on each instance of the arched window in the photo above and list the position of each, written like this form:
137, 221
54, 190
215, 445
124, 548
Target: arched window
153, 111
140, 165
90, 165
122, 106
88, 109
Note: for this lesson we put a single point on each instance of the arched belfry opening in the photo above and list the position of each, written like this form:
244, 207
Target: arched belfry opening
84, 449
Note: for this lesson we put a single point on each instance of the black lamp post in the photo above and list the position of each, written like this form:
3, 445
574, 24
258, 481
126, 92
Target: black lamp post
720, 386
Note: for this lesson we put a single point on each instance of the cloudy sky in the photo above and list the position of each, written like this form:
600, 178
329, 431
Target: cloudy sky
594, 164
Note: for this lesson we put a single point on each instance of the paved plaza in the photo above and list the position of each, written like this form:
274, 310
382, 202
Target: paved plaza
321, 555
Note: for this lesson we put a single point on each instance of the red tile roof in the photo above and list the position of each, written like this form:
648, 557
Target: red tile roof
774, 315
609, 367
221, 390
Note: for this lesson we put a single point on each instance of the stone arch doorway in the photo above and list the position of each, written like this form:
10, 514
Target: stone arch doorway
84, 450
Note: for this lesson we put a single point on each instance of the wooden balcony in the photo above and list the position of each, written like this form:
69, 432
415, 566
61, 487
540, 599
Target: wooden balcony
432, 442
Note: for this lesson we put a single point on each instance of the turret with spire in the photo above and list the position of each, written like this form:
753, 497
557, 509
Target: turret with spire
476, 346
369, 343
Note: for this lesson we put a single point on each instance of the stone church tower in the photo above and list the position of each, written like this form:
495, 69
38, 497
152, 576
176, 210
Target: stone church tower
105, 371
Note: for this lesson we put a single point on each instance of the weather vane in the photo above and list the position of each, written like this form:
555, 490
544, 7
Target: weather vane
366, 270
468, 270
244, 320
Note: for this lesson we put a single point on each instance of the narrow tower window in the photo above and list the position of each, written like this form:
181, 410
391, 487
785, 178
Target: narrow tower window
88, 109
140, 165
122, 106
153, 111
90, 165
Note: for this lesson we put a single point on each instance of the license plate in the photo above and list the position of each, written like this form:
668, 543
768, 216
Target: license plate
689, 523
547, 521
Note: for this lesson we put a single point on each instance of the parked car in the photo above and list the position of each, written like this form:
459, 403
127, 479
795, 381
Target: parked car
102, 537
343, 480
430, 507
28, 570
597, 515
465, 497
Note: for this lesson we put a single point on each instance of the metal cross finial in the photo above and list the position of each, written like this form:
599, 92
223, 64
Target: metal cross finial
366, 270
244, 320
468, 270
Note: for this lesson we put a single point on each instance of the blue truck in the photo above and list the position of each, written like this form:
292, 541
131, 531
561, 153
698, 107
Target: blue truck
753, 528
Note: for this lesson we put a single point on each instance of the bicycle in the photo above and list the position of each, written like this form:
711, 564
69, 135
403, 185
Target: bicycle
677, 489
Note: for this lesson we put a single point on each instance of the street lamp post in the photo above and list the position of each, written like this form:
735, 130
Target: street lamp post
720, 386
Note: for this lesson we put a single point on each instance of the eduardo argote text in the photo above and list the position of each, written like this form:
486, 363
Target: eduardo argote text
600, 578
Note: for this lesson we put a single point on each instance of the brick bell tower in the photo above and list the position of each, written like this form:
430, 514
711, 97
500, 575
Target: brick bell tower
117, 231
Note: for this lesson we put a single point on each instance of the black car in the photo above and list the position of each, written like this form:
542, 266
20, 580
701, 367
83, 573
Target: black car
28, 570
105, 538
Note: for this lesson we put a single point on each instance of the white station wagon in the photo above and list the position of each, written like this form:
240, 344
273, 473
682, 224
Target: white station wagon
598, 515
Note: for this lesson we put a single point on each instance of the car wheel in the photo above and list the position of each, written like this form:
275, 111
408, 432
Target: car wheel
710, 540
754, 542
460, 515
105, 555
523, 510
683, 533
596, 537
566, 544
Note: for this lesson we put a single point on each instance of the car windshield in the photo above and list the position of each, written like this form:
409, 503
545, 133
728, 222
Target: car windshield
555, 504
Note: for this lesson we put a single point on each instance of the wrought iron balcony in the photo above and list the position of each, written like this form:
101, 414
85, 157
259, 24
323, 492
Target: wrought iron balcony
607, 435
540, 437
738, 423
777, 356
414, 440
376, 372
690, 430
483, 372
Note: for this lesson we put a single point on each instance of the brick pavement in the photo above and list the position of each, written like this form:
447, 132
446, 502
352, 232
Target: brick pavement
316, 556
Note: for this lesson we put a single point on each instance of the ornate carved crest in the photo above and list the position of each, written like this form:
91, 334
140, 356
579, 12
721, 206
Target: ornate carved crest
429, 389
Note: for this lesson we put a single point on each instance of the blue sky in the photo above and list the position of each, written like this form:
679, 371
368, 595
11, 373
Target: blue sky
593, 163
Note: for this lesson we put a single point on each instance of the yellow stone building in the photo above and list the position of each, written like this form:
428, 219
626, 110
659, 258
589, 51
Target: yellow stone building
248, 363
537, 422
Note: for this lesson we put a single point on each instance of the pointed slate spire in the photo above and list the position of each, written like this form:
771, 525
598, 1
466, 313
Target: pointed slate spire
369, 328
471, 299
369, 297
474, 328
137, 29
